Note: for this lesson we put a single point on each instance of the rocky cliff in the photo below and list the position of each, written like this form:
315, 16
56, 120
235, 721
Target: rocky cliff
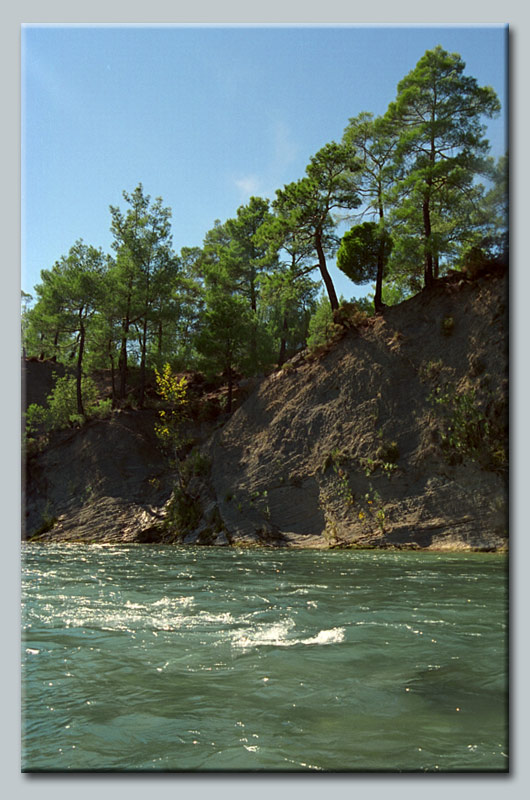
395, 435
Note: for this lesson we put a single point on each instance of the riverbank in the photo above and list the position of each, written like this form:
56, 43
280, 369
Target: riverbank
394, 436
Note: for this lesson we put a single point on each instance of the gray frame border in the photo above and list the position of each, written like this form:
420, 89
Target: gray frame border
286, 12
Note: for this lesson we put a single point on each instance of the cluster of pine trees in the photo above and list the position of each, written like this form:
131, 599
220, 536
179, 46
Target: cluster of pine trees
244, 300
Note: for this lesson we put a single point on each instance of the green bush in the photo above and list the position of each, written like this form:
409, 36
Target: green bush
38, 419
322, 328
466, 429
184, 512
430, 370
101, 410
62, 401
350, 315
61, 409
197, 464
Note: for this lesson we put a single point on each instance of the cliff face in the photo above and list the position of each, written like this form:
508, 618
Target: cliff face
107, 481
394, 437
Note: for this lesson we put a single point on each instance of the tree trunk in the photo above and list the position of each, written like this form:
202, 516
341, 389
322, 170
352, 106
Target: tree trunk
253, 344
230, 387
143, 344
112, 374
378, 297
122, 360
55, 346
79, 370
326, 277
159, 342
426, 208
283, 341
428, 261
122, 363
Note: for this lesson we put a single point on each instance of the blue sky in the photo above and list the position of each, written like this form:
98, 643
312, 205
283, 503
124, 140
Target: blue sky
202, 116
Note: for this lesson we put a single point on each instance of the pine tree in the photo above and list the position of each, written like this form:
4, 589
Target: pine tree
307, 204
142, 240
441, 145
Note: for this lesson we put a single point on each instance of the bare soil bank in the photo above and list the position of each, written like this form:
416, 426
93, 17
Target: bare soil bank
394, 437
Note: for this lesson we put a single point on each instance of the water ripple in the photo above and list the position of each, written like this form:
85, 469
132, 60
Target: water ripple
160, 658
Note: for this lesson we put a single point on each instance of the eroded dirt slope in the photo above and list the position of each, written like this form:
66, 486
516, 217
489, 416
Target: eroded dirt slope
349, 447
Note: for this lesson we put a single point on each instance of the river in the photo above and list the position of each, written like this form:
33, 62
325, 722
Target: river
160, 658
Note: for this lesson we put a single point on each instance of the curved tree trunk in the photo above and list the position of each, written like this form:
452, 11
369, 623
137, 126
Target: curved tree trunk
326, 277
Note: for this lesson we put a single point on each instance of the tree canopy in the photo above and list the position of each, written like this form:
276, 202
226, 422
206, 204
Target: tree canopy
245, 299
441, 144
363, 254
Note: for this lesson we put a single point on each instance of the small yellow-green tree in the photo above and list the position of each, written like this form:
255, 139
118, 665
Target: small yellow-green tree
174, 392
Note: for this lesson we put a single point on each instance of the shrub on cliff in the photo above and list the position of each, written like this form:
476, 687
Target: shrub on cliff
61, 409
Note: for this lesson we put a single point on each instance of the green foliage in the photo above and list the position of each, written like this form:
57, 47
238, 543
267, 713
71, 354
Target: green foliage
306, 205
62, 406
374, 141
245, 299
222, 342
430, 370
62, 401
37, 419
342, 485
440, 149
322, 328
372, 510
184, 512
68, 299
260, 501
197, 464
61, 410
336, 460
364, 250
365, 304
466, 431
173, 391
146, 278
385, 457
351, 315
100, 410
286, 303
371, 465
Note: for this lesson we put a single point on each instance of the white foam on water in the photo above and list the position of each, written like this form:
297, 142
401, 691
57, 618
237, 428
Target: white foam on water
170, 602
278, 635
222, 617
275, 634
330, 636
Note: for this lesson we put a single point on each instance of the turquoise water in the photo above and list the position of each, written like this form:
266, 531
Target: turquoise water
163, 658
